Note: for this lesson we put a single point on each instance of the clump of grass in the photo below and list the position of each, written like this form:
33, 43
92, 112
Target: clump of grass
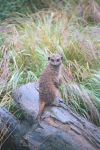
31, 39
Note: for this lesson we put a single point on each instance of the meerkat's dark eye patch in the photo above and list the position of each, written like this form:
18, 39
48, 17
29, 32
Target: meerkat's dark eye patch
61, 57
48, 58
58, 60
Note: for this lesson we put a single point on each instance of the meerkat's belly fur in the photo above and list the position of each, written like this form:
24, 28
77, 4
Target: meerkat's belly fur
48, 88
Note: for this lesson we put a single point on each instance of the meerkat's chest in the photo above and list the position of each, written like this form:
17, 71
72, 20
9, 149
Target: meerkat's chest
57, 76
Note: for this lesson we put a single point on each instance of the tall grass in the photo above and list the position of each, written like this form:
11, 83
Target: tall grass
31, 39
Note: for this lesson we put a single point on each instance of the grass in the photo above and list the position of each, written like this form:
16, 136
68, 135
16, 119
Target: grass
28, 42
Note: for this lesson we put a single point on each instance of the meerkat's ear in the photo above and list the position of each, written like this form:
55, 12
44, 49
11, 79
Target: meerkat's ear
48, 57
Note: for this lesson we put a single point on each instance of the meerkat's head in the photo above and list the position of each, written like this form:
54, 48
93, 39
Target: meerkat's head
55, 59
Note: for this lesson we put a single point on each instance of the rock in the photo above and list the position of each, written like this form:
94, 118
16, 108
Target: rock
11, 131
27, 98
60, 126
52, 138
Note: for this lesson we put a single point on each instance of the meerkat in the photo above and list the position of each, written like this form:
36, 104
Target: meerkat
49, 83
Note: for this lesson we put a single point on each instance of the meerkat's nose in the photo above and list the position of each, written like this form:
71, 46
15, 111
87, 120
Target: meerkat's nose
55, 62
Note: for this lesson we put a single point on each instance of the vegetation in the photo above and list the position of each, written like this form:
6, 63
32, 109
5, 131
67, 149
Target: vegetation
27, 40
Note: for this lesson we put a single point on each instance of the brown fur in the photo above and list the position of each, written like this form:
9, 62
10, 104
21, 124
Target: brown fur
49, 83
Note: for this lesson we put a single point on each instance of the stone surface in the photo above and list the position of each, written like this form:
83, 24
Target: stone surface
11, 131
61, 127
27, 98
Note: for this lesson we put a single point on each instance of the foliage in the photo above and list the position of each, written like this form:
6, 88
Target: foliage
9, 7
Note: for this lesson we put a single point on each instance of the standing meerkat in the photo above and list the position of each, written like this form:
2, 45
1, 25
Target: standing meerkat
49, 83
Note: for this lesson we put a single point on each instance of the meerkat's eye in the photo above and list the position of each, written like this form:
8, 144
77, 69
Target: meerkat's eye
58, 60
48, 58
52, 60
